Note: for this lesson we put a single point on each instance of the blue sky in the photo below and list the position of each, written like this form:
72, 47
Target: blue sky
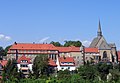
58, 20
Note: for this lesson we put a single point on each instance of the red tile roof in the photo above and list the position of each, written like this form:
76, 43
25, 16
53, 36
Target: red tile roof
52, 63
66, 59
91, 50
69, 49
30, 46
118, 52
23, 57
3, 62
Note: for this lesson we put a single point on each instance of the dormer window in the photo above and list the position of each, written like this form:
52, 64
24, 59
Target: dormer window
24, 61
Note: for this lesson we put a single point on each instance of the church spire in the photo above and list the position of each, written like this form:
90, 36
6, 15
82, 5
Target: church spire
99, 33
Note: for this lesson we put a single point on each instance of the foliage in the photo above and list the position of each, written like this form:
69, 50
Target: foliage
7, 48
11, 71
40, 65
56, 43
72, 43
2, 53
103, 69
88, 72
67, 43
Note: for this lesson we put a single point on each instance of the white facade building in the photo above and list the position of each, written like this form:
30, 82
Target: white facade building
64, 63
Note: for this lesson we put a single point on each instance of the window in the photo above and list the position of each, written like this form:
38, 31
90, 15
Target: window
24, 70
104, 54
62, 68
23, 65
68, 67
24, 61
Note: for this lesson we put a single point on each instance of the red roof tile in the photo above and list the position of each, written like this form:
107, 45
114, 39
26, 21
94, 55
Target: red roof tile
66, 59
23, 57
91, 50
3, 62
52, 63
69, 49
30, 46
118, 52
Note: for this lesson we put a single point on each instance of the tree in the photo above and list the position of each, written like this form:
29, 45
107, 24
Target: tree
7, 48
103, 69
64, 74
2, 52
74, 43
87, 72
40, 65
11, 70
56, 43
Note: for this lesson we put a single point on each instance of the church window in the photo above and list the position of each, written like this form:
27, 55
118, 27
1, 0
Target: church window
104, 54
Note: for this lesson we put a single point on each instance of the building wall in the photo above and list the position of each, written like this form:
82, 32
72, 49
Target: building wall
78, 57
29, 67
108, 54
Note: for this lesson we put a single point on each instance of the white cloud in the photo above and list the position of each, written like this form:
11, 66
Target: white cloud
44, 39
1, 36
4, 37
7, 38
86, 43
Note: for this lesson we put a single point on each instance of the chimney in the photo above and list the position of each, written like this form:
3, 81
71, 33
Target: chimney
15, 43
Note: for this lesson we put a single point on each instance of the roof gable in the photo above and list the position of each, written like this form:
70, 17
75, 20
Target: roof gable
23, 57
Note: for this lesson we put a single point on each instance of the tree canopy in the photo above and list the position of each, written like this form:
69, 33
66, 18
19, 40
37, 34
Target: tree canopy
40, 65
67, 43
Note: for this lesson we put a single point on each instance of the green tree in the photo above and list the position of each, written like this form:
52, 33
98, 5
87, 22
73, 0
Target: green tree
7, 48
40, 66
11, 70
56, 43
88, 72
72, 43
103, 69
65, 75
2, 53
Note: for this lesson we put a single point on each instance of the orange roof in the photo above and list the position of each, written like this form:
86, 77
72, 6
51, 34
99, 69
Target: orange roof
30, 46
91, 50
66, 59
3, 62
118, 52
23, 57
52, 63
69, 49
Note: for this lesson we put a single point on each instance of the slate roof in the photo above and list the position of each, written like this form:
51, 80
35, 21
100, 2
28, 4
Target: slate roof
95, 42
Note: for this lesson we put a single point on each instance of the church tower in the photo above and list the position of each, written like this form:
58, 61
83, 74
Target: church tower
99, 33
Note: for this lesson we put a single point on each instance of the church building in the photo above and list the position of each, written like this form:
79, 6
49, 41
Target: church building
107, 50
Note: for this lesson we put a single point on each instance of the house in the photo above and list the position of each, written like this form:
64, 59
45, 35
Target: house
64, 63
24, 65
92, 54
2, 64
31, 50
72, 51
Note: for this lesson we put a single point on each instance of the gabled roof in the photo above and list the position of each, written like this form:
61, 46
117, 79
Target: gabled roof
23, 57
3, 62
69, 49
91, 50
31, 46
95, 42
52, 63
66, 60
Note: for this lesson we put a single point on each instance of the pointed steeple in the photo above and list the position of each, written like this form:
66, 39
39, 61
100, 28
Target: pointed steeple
99, 33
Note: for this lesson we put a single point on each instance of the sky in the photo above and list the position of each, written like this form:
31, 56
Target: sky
27, 21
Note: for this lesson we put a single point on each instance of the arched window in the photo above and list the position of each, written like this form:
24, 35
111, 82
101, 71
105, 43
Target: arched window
104, 54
